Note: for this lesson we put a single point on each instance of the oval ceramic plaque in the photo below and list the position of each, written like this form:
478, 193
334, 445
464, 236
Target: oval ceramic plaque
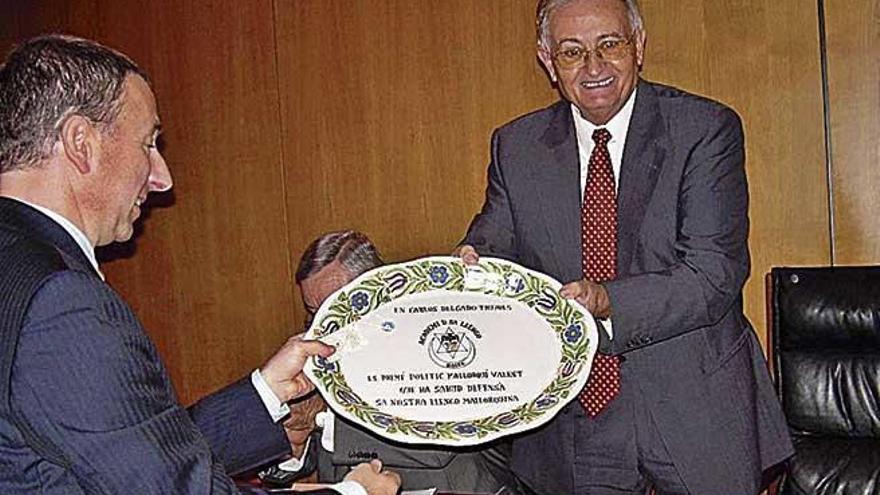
432, 351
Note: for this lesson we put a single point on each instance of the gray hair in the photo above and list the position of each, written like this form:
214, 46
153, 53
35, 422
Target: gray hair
547, 7
45, 80
351, 248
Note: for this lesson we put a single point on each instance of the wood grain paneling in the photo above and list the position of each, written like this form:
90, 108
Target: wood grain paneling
761, 58
853, 34
288, 118
210, 278
218, 258
387, 110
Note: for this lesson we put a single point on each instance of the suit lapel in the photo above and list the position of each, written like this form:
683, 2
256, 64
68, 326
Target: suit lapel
557, 183
33, 224
643, 156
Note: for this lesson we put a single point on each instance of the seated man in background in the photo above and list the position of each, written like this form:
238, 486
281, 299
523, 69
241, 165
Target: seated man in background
328, 263
86, 405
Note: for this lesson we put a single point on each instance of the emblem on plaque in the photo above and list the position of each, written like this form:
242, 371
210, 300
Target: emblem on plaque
452, 348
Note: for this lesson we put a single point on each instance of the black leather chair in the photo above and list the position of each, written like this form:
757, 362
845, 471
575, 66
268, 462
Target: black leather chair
825, 351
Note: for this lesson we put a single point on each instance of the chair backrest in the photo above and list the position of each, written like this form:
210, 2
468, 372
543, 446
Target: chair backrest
825, 348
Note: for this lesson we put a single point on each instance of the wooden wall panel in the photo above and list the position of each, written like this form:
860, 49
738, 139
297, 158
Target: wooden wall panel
288, 118
761, 58
389, 134
853, 33
224, 241
387, 111
210, 278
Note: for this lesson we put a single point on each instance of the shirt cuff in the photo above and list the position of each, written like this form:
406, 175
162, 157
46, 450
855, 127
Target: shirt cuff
605, 324
326, 421
349, 488
276, 409
294, 464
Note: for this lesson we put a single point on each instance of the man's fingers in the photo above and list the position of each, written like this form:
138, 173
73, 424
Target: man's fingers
394, 476
302, 386
376, 464
572, 290
583, 292
312, 347
467, 254
282, 372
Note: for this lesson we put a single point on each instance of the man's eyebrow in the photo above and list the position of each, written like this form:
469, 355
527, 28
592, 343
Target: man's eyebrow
569, 40
612, 34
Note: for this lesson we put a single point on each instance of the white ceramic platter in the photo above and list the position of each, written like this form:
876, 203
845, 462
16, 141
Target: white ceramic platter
431, 351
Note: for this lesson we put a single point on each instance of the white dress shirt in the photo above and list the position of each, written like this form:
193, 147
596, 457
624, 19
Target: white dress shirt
618, 126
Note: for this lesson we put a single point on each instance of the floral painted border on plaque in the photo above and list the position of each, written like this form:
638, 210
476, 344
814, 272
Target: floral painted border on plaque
493, 277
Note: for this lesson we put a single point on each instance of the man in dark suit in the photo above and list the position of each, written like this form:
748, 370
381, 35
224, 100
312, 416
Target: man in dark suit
634, 195
328, 263
85, 403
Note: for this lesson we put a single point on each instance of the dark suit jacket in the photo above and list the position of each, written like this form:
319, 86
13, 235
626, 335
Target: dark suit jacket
464, 470
677, 305
88, 379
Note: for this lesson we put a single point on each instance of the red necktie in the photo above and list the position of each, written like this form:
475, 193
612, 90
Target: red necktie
599, 263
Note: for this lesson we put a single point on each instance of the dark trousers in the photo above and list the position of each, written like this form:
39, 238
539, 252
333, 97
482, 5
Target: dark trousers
620, 451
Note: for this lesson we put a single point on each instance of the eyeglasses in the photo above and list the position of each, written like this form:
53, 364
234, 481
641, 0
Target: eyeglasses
609, 50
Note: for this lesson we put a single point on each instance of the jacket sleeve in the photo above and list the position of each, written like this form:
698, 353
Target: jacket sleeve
87, 377
238, 427
492, 230
709, 250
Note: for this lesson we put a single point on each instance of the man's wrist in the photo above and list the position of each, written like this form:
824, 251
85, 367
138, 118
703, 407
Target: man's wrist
349, 487
277, 410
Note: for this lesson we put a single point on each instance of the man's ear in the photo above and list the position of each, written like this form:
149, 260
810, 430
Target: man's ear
641, 41
79, 142
547, 61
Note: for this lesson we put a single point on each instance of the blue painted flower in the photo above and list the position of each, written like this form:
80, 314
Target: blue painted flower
396, 281
508, 419
382, 420
325, 365
359, 300
388, 326
567, 369
514, 283
547, 300
425, 427
546, 401
330, 328
439, 274
573, 333
347, 398
466, 429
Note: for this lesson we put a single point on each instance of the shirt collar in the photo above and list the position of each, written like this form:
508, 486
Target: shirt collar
617, 126
81, 240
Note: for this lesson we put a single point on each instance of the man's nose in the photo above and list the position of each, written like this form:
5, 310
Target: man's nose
593, 62
160, 176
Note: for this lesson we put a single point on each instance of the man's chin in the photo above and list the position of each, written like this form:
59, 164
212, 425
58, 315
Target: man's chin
124, 235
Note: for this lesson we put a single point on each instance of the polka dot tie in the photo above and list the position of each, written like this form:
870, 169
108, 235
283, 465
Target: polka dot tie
599, 263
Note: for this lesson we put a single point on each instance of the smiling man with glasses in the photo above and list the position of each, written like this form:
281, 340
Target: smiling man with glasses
633, 195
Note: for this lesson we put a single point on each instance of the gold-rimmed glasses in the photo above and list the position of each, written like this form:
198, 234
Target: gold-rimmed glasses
574, 56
